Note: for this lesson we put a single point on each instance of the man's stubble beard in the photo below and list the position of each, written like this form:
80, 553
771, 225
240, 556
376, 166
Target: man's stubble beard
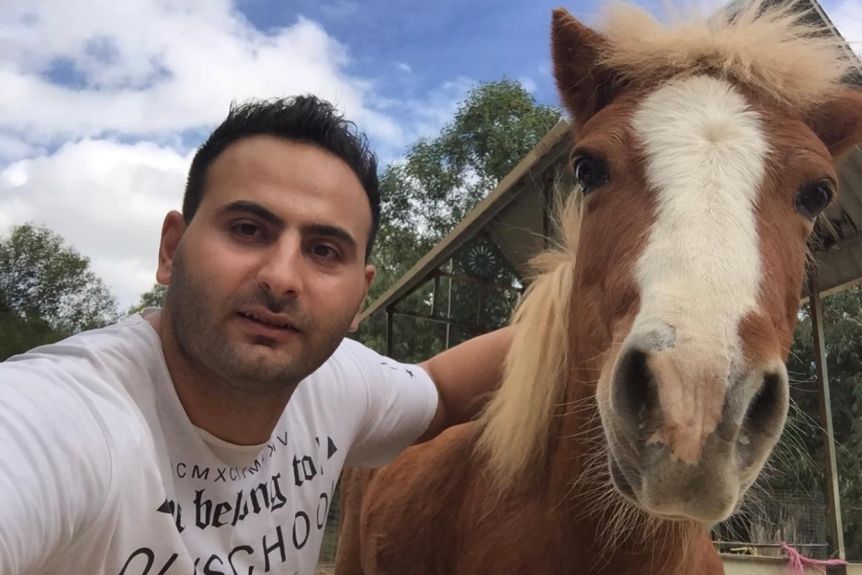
202, 339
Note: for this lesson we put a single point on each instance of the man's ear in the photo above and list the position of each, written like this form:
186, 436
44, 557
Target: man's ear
172, 231
838, 121
585, 85
369, 277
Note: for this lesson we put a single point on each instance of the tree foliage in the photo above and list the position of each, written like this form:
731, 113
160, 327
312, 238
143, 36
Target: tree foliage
19, 334
47, 290
441, 179
154, 297
842, 325
789, 502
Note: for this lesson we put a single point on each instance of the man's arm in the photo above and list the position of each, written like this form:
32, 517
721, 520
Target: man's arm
465, 375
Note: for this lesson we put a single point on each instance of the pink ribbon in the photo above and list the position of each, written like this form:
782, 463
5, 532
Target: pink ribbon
798, 562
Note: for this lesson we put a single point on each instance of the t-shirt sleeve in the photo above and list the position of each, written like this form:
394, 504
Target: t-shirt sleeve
401, 401
54, 469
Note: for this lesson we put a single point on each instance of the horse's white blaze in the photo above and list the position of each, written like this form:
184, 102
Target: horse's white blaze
700, 270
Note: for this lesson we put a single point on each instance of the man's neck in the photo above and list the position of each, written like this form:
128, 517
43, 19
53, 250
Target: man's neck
211, 403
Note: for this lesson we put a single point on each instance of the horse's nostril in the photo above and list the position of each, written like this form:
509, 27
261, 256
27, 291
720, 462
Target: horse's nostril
634, 388
763, 418
766, 409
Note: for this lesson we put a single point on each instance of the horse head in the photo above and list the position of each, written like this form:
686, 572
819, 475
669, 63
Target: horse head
704, 160
704, 156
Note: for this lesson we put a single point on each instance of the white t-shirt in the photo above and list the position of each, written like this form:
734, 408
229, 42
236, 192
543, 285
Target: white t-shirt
101, 470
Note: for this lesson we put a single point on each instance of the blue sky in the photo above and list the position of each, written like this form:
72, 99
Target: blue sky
481, 40
104, 101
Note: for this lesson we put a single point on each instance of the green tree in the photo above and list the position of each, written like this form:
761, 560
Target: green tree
47, 291
424, 195
441, 179
155, 297
18, 334
790, 501
842, 326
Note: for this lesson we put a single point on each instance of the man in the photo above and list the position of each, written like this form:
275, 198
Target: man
208, 437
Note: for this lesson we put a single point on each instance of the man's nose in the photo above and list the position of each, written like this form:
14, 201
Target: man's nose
281, 271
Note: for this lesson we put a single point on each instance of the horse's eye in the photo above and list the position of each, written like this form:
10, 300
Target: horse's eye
590, 173
813, 197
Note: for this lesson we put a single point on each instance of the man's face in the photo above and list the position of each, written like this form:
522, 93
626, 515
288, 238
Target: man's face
270, 273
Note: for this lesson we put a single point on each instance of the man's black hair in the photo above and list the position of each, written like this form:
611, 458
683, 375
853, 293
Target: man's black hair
300, 119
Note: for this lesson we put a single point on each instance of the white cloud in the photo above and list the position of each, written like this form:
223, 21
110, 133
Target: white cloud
528, 84
428, 113
146, 67
14, 148
100, 158
106, 199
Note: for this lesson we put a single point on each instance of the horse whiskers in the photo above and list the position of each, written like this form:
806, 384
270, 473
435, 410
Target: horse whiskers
594, 478
589, 494
625, 523
583, 401
615, 342
586, 495
579, 406
592, 496
578, 410
591, 435
791, 452
589, 427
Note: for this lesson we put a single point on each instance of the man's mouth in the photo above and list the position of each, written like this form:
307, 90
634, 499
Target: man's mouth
269, 320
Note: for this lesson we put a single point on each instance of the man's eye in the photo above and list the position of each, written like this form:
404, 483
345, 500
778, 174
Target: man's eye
324, 251
247, 229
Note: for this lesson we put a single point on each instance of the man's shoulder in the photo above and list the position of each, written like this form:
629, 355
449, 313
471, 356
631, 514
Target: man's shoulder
348, 357
63, 400
354, 369
124, 345
352, 350
353, 363
88, 376
339, 373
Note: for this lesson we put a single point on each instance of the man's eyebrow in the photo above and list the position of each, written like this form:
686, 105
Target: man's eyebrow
253, 208
327, 230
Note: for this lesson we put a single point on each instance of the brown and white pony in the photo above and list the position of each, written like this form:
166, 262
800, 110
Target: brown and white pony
645, 386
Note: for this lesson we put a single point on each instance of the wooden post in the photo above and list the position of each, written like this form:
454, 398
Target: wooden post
435, 297
389, 327
480, 311
831, 466
448, 342
548, 199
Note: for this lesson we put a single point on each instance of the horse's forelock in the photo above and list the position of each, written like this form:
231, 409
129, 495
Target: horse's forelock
772, 48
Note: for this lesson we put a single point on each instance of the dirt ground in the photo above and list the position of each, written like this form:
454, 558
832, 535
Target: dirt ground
326, 570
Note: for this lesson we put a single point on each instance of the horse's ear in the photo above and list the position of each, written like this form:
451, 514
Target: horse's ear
585, 86
838, 121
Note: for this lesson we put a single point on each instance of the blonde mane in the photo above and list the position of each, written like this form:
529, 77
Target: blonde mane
516, 423
771, 48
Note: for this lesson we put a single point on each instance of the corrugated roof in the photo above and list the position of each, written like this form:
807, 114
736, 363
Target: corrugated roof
526, 176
